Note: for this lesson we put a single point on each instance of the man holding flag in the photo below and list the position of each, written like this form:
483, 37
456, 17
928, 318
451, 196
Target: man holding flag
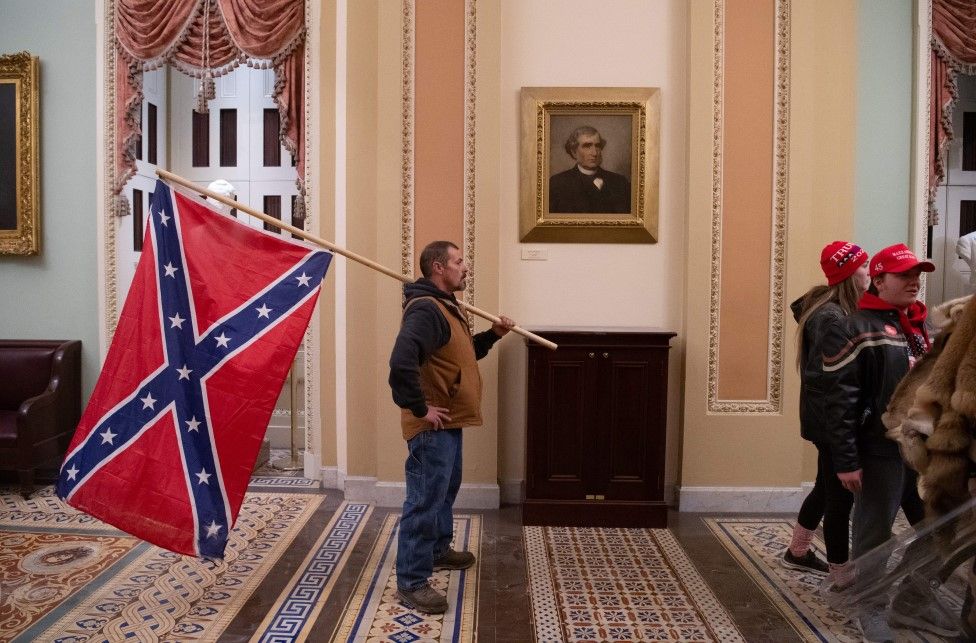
209, 329
436, 383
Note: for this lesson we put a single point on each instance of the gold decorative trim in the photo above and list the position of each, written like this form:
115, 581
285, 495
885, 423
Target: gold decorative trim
21, 70
408, 38
109, 220
311, 379
923, 131
773, 404
470, 102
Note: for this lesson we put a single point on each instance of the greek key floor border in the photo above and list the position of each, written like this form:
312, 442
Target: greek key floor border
277, 482
294, 613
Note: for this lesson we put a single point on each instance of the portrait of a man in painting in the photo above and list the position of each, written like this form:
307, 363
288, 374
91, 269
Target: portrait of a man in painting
587, 185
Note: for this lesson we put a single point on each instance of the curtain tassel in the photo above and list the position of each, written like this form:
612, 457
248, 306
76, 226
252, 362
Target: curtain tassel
122, 207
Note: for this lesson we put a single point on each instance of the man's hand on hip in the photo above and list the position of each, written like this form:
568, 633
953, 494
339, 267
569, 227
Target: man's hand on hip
502, 328
437, 416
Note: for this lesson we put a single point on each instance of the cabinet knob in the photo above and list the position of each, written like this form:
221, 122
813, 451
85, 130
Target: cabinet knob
606, 355
592, 355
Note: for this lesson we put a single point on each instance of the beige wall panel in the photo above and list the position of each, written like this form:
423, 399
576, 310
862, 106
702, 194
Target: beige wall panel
822, 161
544, 43
481, 450
766, 451
390, 447
438, 123
747, 198
323, 220
362, 113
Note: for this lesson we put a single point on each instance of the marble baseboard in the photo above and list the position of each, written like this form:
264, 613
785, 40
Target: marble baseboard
742, 499
512, 491
330, 478
391, 494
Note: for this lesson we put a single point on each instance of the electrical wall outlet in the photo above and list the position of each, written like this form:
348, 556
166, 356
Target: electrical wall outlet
535, 254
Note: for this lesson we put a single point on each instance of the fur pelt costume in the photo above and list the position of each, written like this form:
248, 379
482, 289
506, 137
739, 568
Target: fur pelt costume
931, 414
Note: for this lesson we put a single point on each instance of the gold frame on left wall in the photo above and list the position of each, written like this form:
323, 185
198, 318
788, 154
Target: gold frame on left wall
20, 71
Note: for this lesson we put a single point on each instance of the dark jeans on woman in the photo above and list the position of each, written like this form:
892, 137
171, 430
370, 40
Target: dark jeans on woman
830, 501
433, 471
887, 484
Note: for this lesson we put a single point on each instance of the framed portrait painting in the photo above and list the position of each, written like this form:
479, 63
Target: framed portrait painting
590, 164
19, 151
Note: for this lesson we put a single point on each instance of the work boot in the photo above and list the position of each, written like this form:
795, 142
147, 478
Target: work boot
423, 599
454, 560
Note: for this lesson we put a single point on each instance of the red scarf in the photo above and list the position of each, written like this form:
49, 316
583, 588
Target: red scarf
912, 321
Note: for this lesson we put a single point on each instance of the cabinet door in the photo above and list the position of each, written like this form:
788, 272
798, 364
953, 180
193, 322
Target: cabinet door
560, 418
631, 429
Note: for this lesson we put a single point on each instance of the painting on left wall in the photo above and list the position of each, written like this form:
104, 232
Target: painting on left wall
19, 155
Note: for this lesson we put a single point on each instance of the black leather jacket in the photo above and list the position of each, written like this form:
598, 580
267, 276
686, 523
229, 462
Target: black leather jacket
812, 381
864, 357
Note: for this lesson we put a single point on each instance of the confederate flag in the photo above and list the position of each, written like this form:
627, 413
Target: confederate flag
210, 326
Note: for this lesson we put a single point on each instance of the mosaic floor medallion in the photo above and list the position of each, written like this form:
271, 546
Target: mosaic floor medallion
604, 584
65, 576
758, 545
374, 614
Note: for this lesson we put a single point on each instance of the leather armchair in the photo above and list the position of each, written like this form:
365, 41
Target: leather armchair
40, 404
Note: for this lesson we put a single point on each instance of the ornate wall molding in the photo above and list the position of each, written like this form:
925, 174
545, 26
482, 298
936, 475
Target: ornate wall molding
408, 40
919, 225
772, 404
311, 340
470, 97
109, 220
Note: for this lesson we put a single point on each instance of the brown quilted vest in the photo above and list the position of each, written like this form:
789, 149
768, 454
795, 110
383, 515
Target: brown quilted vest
449, 378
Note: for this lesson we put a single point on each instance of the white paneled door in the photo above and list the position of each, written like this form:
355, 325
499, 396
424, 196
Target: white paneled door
956, 202
238, 140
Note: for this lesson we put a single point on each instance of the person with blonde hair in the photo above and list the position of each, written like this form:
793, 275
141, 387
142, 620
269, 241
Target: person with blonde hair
865, 356
845, 265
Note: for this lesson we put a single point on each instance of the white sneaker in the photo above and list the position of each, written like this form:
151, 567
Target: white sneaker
916, 610
874, 627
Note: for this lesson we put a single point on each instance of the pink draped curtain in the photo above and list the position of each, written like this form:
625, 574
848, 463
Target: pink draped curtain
953, 52
206, 39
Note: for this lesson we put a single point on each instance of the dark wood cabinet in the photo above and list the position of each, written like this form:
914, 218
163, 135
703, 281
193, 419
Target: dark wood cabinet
596, 423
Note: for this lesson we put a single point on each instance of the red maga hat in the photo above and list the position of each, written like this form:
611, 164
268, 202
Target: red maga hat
840, 260
897, 258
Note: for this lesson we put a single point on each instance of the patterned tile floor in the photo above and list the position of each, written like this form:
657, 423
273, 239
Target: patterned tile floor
309, 573
595, 584
758, 544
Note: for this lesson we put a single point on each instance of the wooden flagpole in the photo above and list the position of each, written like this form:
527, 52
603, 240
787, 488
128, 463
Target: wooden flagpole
175, 178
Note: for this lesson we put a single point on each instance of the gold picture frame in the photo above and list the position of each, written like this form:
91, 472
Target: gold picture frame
19, 155
561, 203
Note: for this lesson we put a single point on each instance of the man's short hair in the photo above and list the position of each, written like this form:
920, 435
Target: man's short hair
585, 130
434, 251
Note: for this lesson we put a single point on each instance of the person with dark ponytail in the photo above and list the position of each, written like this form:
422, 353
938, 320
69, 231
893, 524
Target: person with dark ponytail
846, 267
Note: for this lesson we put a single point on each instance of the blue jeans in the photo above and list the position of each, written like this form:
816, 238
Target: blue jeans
433, 471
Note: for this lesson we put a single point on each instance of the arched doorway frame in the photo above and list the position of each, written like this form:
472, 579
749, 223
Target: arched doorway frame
107, 222
918, 220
